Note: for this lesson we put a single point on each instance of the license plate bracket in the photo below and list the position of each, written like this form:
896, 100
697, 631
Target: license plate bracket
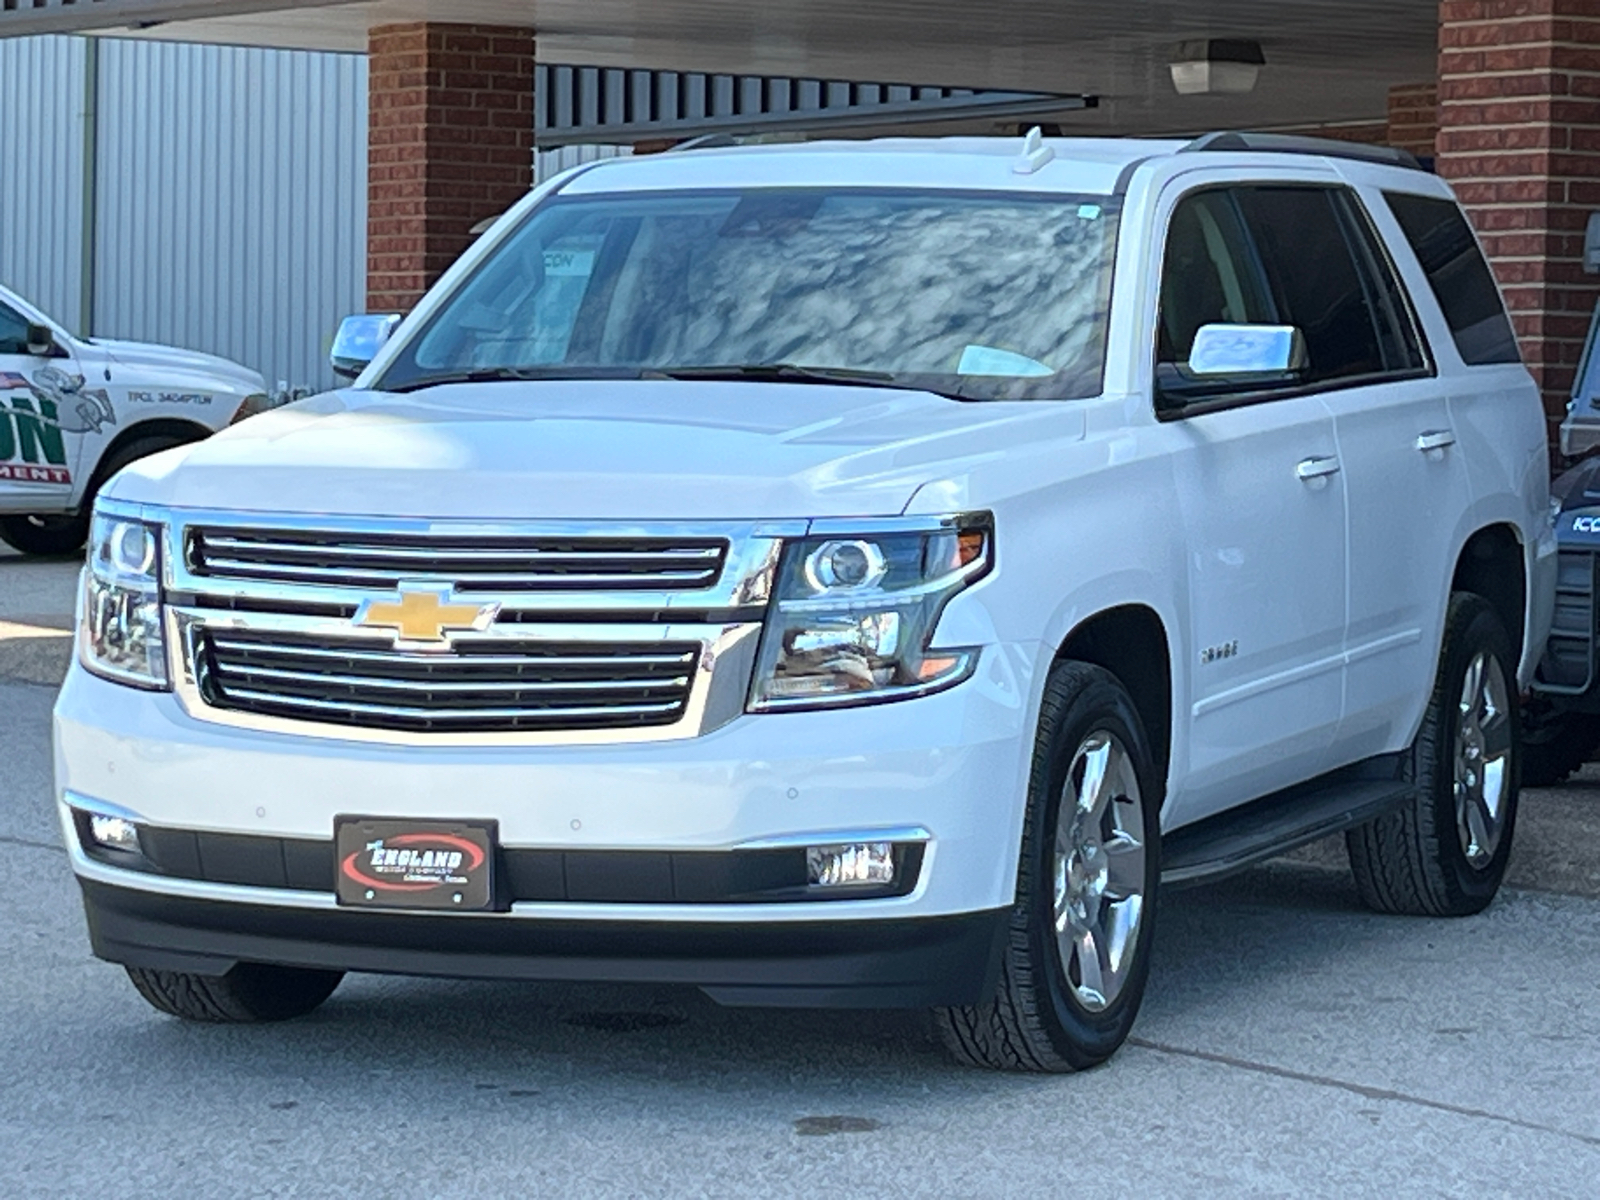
428, 865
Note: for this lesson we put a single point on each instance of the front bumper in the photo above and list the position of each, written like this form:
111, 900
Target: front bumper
906, 963
952, 765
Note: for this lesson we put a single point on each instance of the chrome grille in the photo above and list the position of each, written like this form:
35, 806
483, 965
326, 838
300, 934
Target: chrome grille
487, 685
471, 563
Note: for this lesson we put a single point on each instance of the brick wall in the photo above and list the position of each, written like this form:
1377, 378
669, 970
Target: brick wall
1519, 138
1414, 117
450, 141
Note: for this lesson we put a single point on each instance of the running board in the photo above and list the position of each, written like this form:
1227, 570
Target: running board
1231, 841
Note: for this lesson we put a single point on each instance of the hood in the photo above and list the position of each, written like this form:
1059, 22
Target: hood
148, 355
628, 450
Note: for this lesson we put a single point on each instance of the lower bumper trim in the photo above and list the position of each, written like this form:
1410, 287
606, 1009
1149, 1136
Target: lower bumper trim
896, 963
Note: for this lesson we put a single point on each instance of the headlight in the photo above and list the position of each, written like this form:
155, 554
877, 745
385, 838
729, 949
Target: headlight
853, 615
121, 637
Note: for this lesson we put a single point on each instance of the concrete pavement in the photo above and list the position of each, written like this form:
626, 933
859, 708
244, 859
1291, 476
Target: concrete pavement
1291, 1043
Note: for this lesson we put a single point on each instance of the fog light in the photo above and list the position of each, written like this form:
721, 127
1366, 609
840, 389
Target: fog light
116, 833
854, 864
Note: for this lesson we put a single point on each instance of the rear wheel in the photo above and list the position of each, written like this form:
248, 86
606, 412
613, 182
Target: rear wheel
250, 992
39, 533
1445, 852
1075, 962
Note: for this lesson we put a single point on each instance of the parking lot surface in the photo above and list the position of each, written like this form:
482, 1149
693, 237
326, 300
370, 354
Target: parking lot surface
1290, 1043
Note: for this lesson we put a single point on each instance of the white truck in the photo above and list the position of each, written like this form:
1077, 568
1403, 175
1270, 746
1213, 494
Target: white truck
844, 574
74, 411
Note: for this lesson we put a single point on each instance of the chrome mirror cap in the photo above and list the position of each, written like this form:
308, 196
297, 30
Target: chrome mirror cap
1247, 350
358, 341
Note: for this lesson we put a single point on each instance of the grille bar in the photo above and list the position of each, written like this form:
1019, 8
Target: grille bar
451, 685
324, 708
215, 543
405, 658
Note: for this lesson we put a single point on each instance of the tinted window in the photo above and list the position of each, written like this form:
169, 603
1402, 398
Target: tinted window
13, 331
1459, 276
1318, 284
1208, 276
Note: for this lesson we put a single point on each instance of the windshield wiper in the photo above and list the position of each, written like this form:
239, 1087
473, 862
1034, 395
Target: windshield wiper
511, 374
781, 372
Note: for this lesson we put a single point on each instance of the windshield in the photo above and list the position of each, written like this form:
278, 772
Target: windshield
976, 295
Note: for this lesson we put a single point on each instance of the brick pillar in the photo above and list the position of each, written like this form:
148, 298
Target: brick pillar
1414, 117
450, 141
1519, 137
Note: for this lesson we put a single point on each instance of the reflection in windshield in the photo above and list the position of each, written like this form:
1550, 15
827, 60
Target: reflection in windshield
979, 295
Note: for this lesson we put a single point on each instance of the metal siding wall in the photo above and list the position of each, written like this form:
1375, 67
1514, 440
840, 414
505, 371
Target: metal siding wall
232, 201
41, 172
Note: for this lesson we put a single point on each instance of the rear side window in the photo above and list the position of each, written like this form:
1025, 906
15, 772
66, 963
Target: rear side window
1459, 276
1330, 281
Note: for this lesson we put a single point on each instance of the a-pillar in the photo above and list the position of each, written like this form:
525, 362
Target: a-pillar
449, 142
1519, 138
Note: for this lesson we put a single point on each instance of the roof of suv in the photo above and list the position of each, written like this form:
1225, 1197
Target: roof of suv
1096, 165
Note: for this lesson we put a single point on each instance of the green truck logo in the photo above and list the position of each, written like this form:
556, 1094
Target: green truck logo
32, 449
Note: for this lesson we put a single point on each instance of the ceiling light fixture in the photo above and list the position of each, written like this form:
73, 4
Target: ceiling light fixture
1216, 66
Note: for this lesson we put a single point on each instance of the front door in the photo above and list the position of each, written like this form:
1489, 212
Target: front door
37, 451
1262, 503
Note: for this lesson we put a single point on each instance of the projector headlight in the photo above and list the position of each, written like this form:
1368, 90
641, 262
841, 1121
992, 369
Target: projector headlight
853, 615
120, 636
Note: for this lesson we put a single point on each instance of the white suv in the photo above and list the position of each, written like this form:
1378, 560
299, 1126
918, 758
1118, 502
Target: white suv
845, 574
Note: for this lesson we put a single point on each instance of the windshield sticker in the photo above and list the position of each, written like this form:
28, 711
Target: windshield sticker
569, 263
1089, 212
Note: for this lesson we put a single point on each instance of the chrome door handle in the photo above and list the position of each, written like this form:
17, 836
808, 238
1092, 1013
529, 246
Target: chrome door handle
1317, 468
1435, 439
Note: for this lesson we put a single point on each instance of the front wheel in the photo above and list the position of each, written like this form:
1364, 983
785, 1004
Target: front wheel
1445, 853
1078, 952
46, 534
248, 993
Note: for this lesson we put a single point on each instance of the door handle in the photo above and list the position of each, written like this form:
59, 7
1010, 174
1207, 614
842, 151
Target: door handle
1316, 468
1435, 439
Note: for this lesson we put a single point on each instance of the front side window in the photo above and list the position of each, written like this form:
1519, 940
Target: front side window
1459, 276
13, 331
980, 296
1289, 255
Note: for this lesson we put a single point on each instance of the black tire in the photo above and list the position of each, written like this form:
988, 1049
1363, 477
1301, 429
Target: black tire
249, 993
41, 535
55, 534
1035, 1022
1555, 744
1412, 861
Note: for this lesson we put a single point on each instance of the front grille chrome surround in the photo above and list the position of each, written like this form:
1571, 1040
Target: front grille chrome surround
469, 563
578, 663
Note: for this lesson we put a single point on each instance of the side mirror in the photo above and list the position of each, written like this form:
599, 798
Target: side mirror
1225, 350
41, 342
358, 341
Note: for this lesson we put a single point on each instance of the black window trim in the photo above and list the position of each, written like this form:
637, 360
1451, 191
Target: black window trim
1205, 405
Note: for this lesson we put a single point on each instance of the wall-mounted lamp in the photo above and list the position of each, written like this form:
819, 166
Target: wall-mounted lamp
1216, 66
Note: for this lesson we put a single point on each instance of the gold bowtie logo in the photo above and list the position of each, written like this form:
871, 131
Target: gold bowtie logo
425, 616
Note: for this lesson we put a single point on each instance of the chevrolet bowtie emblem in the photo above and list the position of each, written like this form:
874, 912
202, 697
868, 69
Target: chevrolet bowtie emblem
424, 616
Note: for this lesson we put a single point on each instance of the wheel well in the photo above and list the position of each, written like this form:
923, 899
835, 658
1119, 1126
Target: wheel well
1131, 643
179, 431
1491, 566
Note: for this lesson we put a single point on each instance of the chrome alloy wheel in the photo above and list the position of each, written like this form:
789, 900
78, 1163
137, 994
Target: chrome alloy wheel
1483, 759
1099, 870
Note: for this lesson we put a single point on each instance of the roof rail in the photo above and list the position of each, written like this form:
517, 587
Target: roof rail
1293, 143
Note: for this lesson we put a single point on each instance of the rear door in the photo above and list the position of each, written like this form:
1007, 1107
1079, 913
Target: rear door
1406, 485
1261, 502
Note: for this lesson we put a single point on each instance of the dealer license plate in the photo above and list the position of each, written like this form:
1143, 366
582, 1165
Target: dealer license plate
433, 865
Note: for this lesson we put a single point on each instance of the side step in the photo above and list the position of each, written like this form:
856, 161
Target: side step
1231, 841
